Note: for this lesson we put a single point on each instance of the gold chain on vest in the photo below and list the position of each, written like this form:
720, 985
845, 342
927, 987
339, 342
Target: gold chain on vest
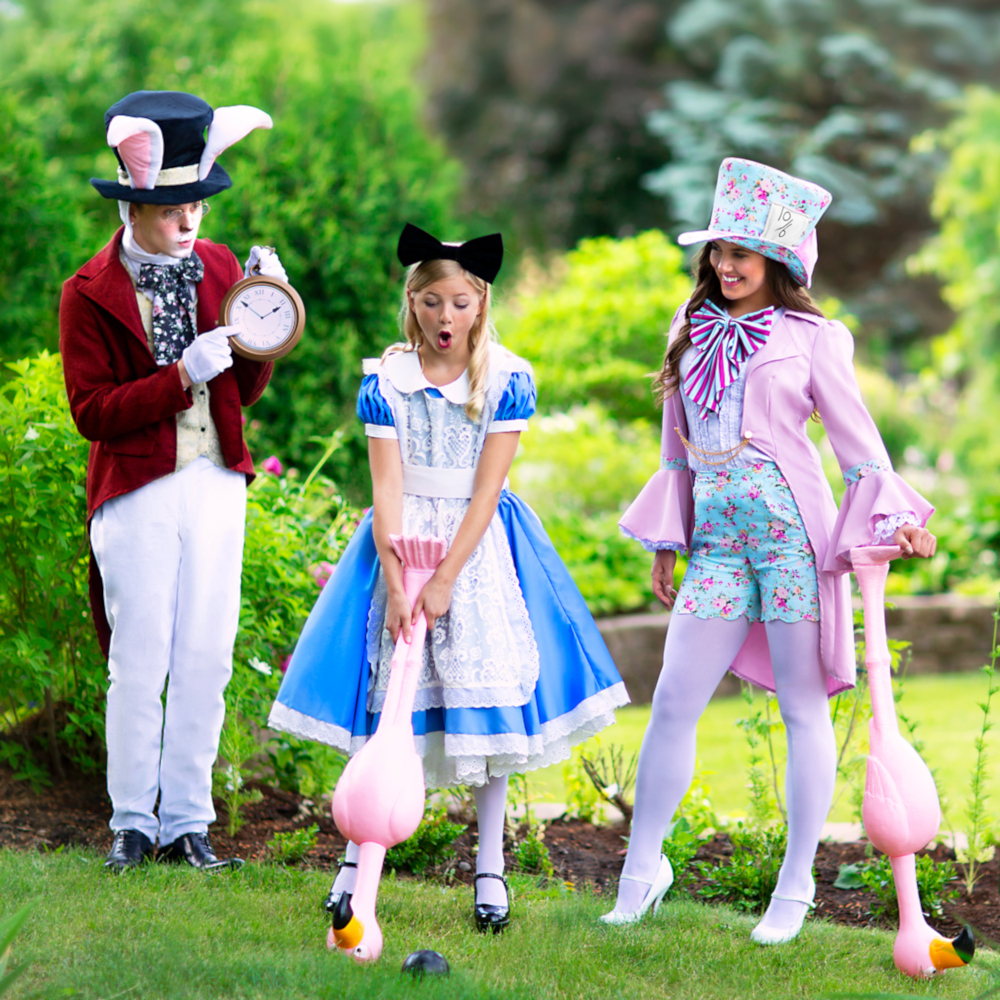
728, 453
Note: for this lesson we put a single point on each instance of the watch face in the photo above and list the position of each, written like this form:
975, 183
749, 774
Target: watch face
266, 314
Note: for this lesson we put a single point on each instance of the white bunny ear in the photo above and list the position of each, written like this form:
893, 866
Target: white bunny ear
229, 125
139, 142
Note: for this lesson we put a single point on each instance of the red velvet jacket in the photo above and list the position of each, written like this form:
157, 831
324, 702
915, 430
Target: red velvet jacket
122, 401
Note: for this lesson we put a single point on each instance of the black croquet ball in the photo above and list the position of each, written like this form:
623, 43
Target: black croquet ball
426, 963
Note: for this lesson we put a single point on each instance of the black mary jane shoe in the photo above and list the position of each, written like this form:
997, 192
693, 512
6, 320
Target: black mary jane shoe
333, 897
195, 849
487, 916
128, 850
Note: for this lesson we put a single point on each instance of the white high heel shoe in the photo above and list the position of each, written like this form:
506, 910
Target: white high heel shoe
781, 935
657, 890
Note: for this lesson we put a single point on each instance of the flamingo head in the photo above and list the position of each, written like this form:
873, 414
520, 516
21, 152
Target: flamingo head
953, 954
347, 928
349, 936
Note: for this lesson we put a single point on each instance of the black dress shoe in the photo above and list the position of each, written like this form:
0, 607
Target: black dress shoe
196, 850
128, 850
488, 916
333, 896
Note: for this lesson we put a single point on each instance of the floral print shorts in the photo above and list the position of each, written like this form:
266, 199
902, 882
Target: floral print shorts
749, 555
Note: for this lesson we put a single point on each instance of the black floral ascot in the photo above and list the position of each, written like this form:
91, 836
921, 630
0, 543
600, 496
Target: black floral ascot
175, 323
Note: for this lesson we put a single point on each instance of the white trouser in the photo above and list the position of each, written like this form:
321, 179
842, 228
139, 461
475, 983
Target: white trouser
171, 556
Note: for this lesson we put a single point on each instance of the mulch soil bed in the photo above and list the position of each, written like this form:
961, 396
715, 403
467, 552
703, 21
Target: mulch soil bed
76, 811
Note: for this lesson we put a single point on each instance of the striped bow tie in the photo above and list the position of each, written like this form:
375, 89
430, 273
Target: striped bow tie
724, 345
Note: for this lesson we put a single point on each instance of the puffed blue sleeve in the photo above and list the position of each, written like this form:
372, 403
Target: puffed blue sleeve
516, 404
374, 410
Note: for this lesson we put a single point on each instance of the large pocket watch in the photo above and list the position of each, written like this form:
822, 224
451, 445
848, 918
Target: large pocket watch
269, 313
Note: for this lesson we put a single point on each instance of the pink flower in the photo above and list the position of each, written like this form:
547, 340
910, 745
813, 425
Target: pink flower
739, 214
272, 465
284, 664
322, 572
243, 419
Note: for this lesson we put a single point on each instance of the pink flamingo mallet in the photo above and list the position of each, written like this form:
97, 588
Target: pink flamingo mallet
379, 799
901, 812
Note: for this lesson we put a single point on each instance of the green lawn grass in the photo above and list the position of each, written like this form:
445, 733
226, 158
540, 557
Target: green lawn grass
166, 932
944, 706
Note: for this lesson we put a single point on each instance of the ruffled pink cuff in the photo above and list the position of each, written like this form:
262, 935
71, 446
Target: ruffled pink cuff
661, 516
865, 503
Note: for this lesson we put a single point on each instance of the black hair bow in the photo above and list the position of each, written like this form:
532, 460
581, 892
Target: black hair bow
481, 256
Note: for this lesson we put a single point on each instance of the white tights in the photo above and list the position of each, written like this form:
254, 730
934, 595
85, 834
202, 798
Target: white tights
491, 805
697, 654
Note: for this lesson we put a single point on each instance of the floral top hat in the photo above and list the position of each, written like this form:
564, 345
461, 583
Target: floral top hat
767, 211
165, 156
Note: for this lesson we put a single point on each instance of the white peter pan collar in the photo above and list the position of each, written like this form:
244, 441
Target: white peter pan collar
402, 369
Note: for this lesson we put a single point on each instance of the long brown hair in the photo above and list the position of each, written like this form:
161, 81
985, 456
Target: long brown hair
426, 273
786, 290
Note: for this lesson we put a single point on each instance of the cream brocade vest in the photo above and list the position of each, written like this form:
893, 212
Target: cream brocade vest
196, 431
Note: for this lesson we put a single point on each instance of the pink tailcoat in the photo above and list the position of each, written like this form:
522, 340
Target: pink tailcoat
806, 364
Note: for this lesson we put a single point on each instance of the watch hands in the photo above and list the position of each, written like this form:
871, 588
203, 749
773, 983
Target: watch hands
243, 302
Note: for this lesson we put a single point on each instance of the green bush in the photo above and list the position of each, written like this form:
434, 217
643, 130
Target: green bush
51, 668
933, 878
747, 880
594, 322
348, 161
291, 847
578, 471
680, 845
532, 856
430, 846
52, 673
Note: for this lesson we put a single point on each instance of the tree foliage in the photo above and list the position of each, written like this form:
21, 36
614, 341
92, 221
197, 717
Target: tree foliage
347, 163
594, 323
545, 100
965, 253
833, 90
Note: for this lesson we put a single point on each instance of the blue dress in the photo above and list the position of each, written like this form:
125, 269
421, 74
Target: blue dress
516, 673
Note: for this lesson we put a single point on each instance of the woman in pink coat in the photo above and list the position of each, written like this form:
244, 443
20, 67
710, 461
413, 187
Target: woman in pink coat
741, 488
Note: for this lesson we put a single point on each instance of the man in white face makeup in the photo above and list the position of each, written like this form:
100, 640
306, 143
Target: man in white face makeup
155, 388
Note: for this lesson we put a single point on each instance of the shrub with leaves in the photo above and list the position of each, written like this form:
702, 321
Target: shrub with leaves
694, 821
51, 668
291, 846
52, 672
933, 878
531, 855
980, 847
680, 845
237, 746
297, 529
430, 846
748, 878
583, 801
611, 301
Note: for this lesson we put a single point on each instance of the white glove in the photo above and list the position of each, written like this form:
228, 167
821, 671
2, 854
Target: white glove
210, 354
267, 263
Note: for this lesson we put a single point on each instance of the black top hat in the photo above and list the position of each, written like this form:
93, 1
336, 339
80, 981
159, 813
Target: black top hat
164, 155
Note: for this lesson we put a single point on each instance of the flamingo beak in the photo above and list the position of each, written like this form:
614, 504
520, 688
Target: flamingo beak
347, 929
953, 954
